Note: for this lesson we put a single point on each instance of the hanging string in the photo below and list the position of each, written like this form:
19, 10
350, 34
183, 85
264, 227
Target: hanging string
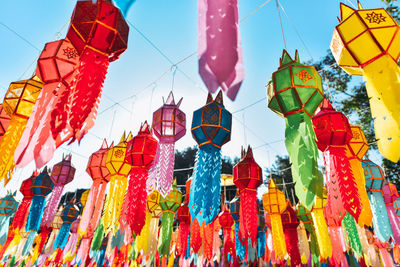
254, 11
151, 99
20, 37
280, 21
173, 69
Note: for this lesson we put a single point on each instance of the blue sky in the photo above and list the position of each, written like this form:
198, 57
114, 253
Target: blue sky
172, 26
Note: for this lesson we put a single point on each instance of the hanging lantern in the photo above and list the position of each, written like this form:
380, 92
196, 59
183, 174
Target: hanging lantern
5, 121
211, 128
169, 125
333, 134
99, 33
390, 195
350, 227
274, 203
169, 206
295, 92
234, 207
56, 68
247, 176
374, 181
153, 205
290, 224
18, 103
119, 171
226, 221
8, 206
69, 215
183, 216
140, 153
367, 42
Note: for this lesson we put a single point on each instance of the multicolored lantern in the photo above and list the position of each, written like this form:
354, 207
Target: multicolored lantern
220, 54
211, 128
290, 224
8, 206
274, 203
169, 125
390, 195
69, 215
247, 176
56, 68
99, 33
18, 103
367, 42
140, 152
295, 92
119, 171
333, 134
169, 206
374, 181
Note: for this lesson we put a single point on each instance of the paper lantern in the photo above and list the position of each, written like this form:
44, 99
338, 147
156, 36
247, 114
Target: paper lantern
119, 171
169, 125
305, 217
18, 102
374, 181
390, 195
367, 42
220, 54
290, 224
140, 153
169, 206
333, 134
226, 221
69, 215
295, 92
8, 206
247, 176
99, 33
211, 128
153, 205
274, 203
5, 121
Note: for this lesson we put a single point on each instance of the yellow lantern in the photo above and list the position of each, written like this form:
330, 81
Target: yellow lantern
367, 42
274, 203
153, 206
18, 103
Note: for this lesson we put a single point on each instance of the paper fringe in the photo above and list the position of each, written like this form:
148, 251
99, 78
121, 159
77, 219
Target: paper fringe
35, 213
349, 225
380, 220
249, 220
165, 233
322, 234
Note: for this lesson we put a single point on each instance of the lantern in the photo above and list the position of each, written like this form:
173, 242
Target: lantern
18, 103
183, 216
247, 176
274, 203
290, 224
333, 134
69, 215
140, 153
234, 207
119, 171
374, 181
56, 68
5, 121
367, 42
62, 174
8, 206
99, 33
220, 54
169, 125
226, 221
153, 206
305, 217
295, 92
390, 195
211, 128
169, 206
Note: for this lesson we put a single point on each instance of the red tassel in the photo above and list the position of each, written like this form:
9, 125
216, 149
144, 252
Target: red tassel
208, 240
44, 234
292, 247
19, 218
183, 235
229, 244
195, 237
248, 200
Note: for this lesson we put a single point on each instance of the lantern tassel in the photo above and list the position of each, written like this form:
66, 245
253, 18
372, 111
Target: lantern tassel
29, 243
153, 236
52, 205
142, 241
35, 213
165, 233
151, 183
4, 223
166, 168
240, 249
89, 207
208, 240
195, 236
114, 201
352, 233
278, 236
62, 237
20, 215
394, 222
337, 251
380, 220
322, 234
304, 247
184, 229
249, 202
382, 84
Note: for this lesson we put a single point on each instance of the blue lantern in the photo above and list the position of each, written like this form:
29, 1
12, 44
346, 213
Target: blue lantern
69, 215
8, 206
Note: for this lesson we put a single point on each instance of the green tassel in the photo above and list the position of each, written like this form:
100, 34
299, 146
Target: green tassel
98, 237
165, 233
314, 247
351, 229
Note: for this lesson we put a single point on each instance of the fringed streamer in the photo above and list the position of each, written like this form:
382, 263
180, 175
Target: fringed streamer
363, 240
261, 241
394, 222
220, 55
321, 231
382, 227
165, 233
42, 240
4, 223
153, 236
349, 225
182, 242
114, 201
217, 244
21, 214
151, 183
208, 240
314, 246
52, 205
249, 220
99, 197
240, 249
292, 245
35, 213
365, 217
71, 244
166, 168
97, 238
62, 236
10, 237
8, 145
229, 243
142, 241
373, 256
337, 251
396, 254
347, 184
195, 236
386, 258
89, 207
28, 243
382, 85
304, 247
303, 154
83, 251
278, 236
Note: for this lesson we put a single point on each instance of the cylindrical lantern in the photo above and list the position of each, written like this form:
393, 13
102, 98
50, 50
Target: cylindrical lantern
295, 92
211, 128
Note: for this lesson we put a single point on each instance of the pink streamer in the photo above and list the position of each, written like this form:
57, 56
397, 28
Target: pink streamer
151, 183
337, 250
394, 222
52, 205
387, 260
220, 63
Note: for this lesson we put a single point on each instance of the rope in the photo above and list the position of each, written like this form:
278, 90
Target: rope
280, 21
254, 11
21, 37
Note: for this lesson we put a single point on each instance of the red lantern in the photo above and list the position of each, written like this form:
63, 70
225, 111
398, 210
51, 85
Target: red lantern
247, 176
96, 167
290, 223
140, 153
333, 135
226, 221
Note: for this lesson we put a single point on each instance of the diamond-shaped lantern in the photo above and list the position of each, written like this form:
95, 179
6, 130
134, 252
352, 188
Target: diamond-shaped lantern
362, 36
302, 92
211, 125
274, 200
374, 176
57, 221
304, 215
115, 161
21, 97
247, 174
5, 121
173, 200
8, 205
63, 172
42, 185
69, 214
96, 167
141, 149
100, 26
153, 201
169, 122
389, 192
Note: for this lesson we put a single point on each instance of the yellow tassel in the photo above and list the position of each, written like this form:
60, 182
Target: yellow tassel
321, 230
114, 201
278, 237
303, 243
142, 241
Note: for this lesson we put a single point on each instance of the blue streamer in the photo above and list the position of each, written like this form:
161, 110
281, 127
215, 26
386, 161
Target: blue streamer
187, 255
35, 213
240, 249
29, 243
62, 237
4, 223
261, 242
124, 5
380, 220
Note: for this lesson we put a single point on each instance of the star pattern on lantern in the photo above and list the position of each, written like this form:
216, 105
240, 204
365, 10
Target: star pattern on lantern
304, 76
70, 52
356, 134
375, 17
119, 153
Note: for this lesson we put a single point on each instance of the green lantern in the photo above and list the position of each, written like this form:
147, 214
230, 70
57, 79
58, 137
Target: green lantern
295, 92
